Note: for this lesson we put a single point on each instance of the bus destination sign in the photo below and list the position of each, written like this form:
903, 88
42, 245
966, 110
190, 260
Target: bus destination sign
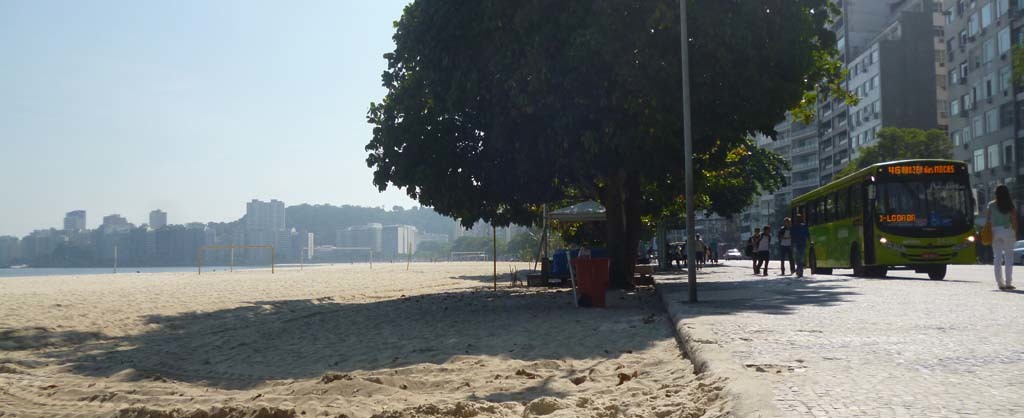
899, 218
920, 170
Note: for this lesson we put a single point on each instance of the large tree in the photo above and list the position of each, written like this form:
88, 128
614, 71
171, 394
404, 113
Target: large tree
495, 107
901, 144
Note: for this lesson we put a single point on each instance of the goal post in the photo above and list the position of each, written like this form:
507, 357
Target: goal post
467, 256
199, 256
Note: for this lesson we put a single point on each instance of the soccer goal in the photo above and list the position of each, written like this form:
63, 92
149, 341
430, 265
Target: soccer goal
232, 248
467, 256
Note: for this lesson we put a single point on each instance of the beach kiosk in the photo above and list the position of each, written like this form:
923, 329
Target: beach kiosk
589, 275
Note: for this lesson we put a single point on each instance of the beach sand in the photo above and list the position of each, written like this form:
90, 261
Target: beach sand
342, 340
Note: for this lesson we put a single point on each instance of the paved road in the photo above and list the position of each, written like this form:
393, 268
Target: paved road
840, 346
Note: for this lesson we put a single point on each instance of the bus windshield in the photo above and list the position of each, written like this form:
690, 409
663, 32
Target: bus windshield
924, 208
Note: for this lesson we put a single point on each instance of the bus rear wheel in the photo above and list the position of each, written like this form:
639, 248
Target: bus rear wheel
937, 272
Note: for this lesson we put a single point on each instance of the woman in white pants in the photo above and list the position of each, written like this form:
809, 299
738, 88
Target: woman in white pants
1002, 214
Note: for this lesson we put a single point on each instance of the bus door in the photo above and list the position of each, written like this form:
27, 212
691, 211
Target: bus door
868, 191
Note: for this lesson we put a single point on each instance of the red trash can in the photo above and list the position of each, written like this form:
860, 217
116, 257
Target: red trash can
591, 280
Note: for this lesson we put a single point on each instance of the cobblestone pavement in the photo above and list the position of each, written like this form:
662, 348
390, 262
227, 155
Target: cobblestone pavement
839, 346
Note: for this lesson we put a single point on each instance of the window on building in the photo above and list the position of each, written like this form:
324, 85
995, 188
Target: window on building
992, 120
954, 108
989, 83
963, 38
1004, 40
1002, 7
979, 160
979, 126
993, 156
876, 107
972, 24
1008, 153
986, 15
957, 138
874, 55
963, 70
967, 134
1005, 115
967, 101
989, 53
954, 77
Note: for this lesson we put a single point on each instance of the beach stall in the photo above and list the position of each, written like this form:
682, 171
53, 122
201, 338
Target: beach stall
587, 274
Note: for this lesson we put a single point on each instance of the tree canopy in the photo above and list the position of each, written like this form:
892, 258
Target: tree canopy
494, 107
901, 144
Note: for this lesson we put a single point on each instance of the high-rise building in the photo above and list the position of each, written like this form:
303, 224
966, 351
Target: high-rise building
895, 56
9, 250
365, 236
157, 219
265, 225
984, 106
398, 240
74, 221
264, 215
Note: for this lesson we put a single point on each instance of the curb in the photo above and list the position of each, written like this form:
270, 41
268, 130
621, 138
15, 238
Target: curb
748, 396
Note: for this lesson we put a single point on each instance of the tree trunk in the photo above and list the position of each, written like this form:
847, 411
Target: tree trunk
621, 199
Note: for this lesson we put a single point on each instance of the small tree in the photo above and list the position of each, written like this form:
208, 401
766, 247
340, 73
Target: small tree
901, 144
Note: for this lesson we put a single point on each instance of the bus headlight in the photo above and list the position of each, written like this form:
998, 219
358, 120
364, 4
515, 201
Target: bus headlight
891, 245
967, 243
970, 238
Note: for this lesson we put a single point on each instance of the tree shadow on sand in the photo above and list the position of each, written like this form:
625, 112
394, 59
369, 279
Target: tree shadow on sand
245, 346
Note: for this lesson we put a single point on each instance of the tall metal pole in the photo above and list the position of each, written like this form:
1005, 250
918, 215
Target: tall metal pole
115, 258
691, 267
232, 259
494, 232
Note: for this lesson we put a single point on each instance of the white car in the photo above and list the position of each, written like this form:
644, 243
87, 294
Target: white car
735, 254
1018, 252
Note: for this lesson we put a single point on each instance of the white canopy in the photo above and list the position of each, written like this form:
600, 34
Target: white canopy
589, 211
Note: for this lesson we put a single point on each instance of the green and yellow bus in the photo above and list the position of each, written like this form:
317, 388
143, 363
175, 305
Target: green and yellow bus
912, 215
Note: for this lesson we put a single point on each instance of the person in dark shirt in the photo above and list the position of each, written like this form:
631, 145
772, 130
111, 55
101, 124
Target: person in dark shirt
800, 235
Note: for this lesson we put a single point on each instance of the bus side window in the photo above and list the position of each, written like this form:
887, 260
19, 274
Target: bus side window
842, 211
855, 201
830, 207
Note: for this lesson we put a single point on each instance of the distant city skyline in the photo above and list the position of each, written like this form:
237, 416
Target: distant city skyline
193, 107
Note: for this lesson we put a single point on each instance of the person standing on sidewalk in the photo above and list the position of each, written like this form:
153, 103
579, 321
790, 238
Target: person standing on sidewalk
786, 246
800, 235
752, 247
1002, 216
764, 250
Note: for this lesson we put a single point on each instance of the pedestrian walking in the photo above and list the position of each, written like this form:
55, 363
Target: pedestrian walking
1002, 218
799, 235
786, 246
698, 251
751, 249
764, 250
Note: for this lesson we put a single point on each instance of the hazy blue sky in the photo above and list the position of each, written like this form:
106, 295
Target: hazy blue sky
194, 107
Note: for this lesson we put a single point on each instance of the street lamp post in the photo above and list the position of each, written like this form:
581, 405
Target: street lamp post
691, 267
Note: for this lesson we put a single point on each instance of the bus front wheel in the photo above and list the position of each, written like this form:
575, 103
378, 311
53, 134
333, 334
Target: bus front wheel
814, 265
937, 272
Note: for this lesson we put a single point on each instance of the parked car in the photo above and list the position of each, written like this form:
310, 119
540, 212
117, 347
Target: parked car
1018, 252
733, 254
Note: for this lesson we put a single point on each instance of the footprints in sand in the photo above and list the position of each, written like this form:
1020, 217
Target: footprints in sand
775, 368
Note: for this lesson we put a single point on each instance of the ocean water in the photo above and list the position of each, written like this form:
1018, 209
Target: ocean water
82, 271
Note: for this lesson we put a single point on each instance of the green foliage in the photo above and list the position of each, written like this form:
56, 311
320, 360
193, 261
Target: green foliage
494, 108
325, 220
901, 144
523, 246
433, 250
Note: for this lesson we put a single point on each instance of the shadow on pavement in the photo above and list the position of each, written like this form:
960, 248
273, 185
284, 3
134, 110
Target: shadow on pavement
773, 295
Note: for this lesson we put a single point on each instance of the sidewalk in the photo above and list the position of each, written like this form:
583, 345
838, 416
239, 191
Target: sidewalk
837, 346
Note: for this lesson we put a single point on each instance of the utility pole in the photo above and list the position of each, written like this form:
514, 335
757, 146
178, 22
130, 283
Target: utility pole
115, 258
691, 267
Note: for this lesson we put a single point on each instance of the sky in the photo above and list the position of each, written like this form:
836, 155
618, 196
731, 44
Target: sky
193, 107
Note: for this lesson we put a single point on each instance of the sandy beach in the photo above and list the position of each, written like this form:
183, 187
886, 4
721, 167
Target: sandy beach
340, 341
